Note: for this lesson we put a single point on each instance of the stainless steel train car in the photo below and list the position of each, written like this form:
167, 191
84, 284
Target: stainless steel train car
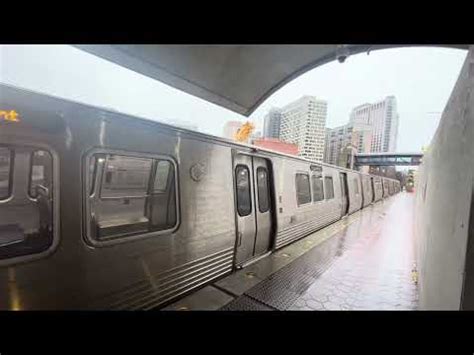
101, 210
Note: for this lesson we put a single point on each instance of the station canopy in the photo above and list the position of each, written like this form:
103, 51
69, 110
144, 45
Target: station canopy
236, 77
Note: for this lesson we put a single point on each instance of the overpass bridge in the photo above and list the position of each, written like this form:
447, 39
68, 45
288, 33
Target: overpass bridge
388, 159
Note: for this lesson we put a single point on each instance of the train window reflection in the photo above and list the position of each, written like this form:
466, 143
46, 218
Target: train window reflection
318, 191
161, 175
5, 172
263, 190
356, 186
244, 200
329, 187
92, 173
40, 176
26, 221
303, 190
126, 176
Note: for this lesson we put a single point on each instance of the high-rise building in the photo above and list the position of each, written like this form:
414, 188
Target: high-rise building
355, 135
231, 128
303, 122
383, 117
255, 135
271, 123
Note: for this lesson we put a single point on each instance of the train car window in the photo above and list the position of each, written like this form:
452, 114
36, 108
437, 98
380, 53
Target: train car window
161, 176
137, 196
126, 176
356, 186
162, 202
244, 200
329, 187
318, 190
5, 172
26, 221
92, 174
303, 190
41, 168
263, 190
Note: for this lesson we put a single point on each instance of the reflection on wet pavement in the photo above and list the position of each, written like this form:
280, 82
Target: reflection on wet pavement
371, 266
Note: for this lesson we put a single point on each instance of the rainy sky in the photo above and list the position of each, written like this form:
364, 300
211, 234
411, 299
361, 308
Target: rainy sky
420, 78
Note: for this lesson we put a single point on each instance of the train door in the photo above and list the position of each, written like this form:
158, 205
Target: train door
263, 211
369, 189
372, 186
344, 193
253, 207
364, 192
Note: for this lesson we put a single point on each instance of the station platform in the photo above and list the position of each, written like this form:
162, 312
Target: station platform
362, 262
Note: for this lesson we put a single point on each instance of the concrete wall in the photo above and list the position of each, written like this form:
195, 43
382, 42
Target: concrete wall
443, 200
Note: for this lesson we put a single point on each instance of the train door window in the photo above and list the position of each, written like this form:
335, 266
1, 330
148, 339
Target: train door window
329, 187
356, 186
318, 190
40, 175
5, 172
244, 200
303, 190
26, 218
263, 190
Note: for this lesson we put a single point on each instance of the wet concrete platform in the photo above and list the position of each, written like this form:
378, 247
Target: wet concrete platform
363, 262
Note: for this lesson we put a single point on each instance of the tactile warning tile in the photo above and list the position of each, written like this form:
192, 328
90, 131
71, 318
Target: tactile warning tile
274, 292
285, 286
245, 303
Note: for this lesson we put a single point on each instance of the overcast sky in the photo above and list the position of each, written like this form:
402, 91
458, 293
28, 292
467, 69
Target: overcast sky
420, 78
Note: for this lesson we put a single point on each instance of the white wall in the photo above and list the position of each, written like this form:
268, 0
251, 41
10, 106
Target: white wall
442, 215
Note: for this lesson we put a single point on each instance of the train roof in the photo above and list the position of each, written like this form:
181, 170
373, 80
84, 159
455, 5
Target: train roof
8, 91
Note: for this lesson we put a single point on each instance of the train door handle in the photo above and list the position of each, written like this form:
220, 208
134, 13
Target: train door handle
239, 239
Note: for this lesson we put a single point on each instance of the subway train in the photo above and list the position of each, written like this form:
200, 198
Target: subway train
102, 210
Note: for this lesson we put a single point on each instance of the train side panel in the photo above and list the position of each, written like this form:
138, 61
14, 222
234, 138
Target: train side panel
367, 191
378, 188
123, 274
295, 220
355, 192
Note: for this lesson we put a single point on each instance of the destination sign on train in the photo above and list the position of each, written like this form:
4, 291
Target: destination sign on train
9, 115
316, 168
